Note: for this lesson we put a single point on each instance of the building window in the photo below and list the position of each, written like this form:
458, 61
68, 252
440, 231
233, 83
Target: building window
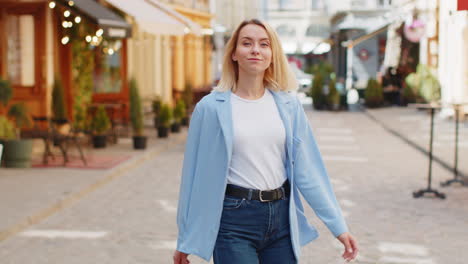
20, 49
108, 67
318, 31
385, 3
286, 31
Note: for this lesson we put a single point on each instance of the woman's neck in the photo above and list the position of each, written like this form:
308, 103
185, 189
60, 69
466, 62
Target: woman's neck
250, 86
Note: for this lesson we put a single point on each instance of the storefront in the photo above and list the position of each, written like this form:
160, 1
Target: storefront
80, 42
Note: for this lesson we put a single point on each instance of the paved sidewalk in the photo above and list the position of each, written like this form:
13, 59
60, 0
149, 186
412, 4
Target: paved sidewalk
29, 195
131, 218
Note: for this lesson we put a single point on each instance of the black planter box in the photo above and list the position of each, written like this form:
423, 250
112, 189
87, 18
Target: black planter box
185, 121
163, 132
139, 142
99, 141
175, 127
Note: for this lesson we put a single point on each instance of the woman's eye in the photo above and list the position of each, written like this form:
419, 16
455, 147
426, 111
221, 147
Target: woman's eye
246, 43
264, 44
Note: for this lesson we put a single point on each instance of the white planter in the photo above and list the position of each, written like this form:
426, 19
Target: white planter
1, 151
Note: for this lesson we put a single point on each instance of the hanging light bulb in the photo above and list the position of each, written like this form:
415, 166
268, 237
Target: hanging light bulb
71, 3
111, 51
99, 32
77, 19
65, 40
88, 38
66, 13
70, 24
95, 39
65, 24
52, 5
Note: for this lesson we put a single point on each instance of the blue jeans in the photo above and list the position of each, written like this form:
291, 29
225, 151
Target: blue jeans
253, 232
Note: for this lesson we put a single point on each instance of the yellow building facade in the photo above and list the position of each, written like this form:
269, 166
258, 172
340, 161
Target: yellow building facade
192, 52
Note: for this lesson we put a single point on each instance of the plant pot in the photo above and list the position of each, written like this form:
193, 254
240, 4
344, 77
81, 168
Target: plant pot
156, 122
185, 121
17, 153
175, 127
139, 142
163, 132
99, 141
335, 107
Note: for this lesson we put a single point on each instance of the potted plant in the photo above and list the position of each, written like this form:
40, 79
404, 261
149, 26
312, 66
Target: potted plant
424, 85
187, 96
373, 94
100, 125
16, 151
165, 117
316, 92
179, 114
59, 110
136, 117
156, 105
333, 96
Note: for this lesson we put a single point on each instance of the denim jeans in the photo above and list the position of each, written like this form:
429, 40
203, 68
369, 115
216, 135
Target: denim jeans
253, 232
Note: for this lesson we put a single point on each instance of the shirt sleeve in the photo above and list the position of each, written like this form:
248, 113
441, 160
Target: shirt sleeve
311, 176
188, 173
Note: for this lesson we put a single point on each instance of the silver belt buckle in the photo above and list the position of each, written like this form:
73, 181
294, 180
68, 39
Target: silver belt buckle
261, 198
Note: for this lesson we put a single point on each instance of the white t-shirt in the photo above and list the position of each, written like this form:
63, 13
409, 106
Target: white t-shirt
259, 156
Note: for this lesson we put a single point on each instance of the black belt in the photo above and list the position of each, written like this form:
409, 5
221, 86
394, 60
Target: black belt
263, 196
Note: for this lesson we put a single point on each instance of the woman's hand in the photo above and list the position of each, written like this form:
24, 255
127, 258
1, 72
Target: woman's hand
350, 244
180, 258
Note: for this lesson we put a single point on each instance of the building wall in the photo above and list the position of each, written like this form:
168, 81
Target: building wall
453, 54
192, 53
149, 65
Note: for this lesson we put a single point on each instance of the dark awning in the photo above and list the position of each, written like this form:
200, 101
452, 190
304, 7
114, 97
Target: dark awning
113, 25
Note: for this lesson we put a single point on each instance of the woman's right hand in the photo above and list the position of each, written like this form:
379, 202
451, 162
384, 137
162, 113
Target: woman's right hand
180, 258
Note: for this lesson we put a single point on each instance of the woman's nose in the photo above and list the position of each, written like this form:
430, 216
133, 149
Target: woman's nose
255, 49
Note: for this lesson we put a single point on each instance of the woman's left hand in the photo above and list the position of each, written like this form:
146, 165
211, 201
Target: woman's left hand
350, 244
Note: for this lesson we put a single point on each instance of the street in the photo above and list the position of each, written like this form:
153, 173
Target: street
131, 218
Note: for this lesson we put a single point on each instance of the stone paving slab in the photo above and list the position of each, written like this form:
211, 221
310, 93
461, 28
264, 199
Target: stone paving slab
373, 173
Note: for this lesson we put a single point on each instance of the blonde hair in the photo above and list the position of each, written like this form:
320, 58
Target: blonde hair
278, 76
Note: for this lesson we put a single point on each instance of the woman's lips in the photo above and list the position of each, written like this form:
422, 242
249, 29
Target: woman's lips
254, 59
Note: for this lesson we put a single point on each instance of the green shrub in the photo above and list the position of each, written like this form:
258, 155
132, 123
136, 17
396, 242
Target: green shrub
333, 94
6, 92
373, 94
424, 84
316, 92
100, 124
165, 116
18, 111
187, 96
136, 113
156, 105
58, 101
7, 129
179, 111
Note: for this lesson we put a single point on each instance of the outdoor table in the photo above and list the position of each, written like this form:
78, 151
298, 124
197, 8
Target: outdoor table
417, 194
456, 178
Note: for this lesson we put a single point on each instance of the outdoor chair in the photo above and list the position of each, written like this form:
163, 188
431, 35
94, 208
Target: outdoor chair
56, 132
63, 135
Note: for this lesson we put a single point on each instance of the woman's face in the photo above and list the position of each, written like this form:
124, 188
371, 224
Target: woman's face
253, 50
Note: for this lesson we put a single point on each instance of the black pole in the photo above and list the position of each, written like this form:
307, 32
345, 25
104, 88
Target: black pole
455, 168
429, 178
420, 193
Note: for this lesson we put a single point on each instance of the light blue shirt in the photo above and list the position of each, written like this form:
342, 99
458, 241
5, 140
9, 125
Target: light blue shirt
208, 153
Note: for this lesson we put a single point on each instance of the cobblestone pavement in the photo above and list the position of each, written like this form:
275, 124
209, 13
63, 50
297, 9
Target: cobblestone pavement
131, 218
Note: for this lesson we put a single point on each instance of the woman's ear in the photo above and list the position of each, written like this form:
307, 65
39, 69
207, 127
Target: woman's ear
233, 57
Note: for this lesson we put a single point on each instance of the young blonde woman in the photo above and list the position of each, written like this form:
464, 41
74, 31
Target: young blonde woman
250, 152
